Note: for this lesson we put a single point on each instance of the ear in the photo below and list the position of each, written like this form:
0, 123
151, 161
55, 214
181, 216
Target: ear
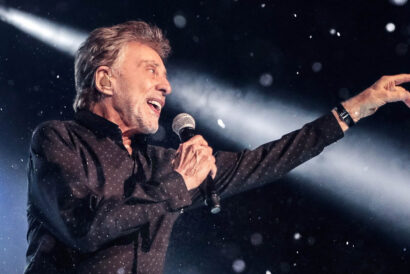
103, 80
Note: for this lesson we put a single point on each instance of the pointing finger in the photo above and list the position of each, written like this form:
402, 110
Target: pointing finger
401, 78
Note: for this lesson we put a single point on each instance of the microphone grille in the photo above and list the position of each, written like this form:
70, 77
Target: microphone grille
181, 121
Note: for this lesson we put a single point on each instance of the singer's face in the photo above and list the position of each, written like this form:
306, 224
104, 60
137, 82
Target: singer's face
140, 87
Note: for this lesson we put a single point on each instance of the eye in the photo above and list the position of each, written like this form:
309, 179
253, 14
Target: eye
152, 70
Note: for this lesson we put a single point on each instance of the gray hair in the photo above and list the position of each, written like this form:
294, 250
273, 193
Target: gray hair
102, 47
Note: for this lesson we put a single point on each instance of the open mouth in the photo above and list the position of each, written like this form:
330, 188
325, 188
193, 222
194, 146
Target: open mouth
155, 106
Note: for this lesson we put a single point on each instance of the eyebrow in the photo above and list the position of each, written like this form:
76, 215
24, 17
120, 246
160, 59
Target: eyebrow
151, 62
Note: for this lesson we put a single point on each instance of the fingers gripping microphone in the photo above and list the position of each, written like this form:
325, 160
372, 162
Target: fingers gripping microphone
184, 126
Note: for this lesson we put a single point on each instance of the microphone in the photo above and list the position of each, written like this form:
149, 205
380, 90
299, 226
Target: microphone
184, 126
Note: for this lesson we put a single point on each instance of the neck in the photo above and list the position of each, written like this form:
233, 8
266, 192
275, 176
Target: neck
107, 112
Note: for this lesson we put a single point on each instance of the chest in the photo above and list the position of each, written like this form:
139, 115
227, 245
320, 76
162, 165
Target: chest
112, 172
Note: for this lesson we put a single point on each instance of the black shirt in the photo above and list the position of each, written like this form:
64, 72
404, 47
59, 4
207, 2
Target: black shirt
93, 208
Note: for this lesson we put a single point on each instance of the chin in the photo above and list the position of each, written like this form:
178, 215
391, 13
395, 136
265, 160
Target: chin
152, 129
145, 126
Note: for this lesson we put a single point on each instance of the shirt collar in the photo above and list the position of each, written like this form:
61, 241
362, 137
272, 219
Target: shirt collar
104, 128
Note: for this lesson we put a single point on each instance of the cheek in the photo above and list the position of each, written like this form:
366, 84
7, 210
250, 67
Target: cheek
132, 92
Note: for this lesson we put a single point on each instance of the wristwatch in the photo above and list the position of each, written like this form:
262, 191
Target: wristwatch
344, 115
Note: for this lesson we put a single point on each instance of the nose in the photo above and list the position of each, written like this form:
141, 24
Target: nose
164, 86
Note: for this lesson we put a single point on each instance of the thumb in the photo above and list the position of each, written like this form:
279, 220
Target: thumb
407, 102
214, 169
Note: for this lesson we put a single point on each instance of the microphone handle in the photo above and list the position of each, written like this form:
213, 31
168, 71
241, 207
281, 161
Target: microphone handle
186, 133
211, 196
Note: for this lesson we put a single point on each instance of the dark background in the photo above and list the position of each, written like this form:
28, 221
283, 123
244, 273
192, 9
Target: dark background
237, 41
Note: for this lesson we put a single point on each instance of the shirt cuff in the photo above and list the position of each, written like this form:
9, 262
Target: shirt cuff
329, 127
174, 186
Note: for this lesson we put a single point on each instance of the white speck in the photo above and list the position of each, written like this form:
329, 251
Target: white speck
310, 36
251, 54
121, 270
404, 249
332, 31
238, 266
294, 264
179, 21
221, 123
263, 5
338, 34
268, 272
297, 251
14, 166
390, 27
295, 15
297, 236
256, 239
317, 66
297, 72
58, 76
398, 2
347, 242
266, 79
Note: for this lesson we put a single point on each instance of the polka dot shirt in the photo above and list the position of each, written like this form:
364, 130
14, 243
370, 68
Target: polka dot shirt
94, 208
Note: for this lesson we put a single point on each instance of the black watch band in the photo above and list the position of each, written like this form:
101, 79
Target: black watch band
344, 115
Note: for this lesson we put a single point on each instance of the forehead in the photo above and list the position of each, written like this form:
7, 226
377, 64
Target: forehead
140, 53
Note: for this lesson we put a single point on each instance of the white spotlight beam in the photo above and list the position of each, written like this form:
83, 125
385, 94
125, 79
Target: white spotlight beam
60, 37
364, 171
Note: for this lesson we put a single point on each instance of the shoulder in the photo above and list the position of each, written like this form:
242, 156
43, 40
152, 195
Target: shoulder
53, 131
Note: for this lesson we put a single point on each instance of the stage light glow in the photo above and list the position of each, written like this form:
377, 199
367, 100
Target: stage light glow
398, 2
390, 27
316, 66
60, 37
180, 21
221, 123
256, 239
238, 266
266, 79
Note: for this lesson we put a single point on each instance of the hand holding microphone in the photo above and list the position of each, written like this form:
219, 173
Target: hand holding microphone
194, 159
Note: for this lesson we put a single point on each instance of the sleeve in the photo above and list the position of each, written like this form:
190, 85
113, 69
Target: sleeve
65, 205
241, 171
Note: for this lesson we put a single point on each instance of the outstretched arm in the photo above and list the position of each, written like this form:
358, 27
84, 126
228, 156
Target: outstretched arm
248, 169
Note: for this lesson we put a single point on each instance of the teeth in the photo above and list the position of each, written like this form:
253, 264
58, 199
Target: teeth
155, 103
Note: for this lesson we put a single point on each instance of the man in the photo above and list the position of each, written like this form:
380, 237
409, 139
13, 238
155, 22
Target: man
101, 200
